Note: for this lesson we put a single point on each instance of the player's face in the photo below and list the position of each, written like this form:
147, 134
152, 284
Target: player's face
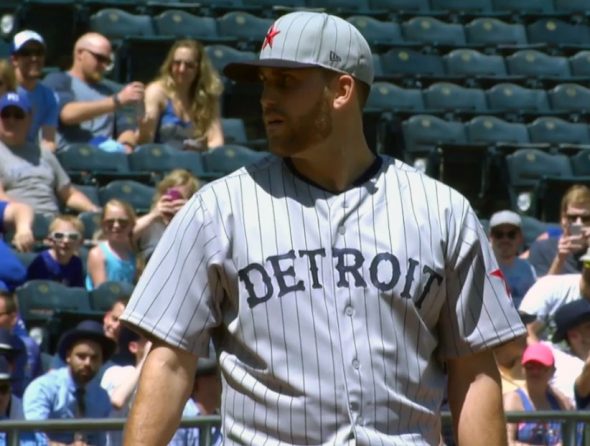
84, 360
65, 239
185, 66
296, 109
111, 321
14, 124
30, 60
506, 240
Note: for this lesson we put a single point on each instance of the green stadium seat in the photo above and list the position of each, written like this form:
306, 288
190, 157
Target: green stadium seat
557, 131
492, 31
470, 62
106, 294
229, 157
138, 195
454, 98
508, 97
431, 31
494, 130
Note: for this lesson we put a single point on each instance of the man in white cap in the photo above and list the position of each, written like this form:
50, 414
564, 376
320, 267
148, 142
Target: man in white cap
506, 239
28, 59
342, 290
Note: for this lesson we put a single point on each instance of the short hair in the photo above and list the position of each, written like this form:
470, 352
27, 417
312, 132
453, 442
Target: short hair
9, 301
71, 219
577, 194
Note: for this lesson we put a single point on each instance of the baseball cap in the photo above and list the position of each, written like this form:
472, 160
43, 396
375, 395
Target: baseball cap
310, 39
12, 99
505, 218
23, 37
540, 353
570, 315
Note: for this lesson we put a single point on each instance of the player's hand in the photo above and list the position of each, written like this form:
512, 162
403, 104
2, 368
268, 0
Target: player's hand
23, 240
131, 93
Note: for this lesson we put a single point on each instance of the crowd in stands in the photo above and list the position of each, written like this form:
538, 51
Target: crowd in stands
93, 369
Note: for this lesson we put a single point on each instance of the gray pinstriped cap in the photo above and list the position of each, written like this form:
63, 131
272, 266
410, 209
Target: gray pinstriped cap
310, 39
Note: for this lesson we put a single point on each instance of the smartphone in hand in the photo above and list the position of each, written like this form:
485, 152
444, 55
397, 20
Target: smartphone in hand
174, 194
576, 229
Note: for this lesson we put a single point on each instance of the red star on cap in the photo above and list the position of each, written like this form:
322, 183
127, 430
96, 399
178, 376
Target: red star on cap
270, 35
498, 273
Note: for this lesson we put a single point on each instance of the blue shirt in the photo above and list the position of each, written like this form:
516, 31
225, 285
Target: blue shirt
16, 413
520, 276
44, 266
43, 101
12, 271
52, 396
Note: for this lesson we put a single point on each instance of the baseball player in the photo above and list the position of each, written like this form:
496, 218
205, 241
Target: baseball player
341, 289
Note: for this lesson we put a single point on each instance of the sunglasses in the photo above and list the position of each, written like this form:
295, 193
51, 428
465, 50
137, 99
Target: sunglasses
12, 114
110, 222
71, 236
30, 52
5, 388
572, 218
505, 234
101, 58
188, 64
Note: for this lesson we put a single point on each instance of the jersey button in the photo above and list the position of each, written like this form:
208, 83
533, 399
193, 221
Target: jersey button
349, 311
356, 364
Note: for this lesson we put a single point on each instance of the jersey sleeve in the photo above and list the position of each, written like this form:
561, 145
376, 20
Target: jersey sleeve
178, 296
478, 313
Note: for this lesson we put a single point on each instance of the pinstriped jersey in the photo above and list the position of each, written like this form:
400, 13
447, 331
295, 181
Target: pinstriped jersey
332, 314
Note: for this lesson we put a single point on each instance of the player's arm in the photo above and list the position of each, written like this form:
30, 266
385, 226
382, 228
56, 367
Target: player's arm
164, 387
475, 399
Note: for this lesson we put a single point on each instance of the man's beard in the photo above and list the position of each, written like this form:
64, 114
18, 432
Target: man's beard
312, 128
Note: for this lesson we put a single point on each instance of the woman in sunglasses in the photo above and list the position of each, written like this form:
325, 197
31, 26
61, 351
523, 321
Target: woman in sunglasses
182, 103
60, 262
114, 258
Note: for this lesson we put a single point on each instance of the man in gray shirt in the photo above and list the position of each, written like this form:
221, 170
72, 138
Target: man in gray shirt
27, 173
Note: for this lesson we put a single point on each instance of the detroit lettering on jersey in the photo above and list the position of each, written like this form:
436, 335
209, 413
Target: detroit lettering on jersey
278, 276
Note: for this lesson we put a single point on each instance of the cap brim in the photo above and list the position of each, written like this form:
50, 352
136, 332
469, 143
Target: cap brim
248, 71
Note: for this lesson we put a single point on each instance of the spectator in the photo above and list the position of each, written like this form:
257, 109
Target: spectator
506, 238
28, 59
11, 407
538, 363
13, 349
182, 103
114, 259
27, 173
171, 194
60, 262
70, 391
88, 105
561, 255
17, 216
549, 293
29, 366
7, 77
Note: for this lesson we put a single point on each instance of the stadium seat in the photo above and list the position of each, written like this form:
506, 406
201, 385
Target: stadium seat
508, 97
139, 57
431, 31
454, 98
91, 191
377, 33
526, 167
536, 64
159, 159
234, 132
493, 31
471, 6
182, 24
394, 6
91, 222
229, 157
469, 62
557, 131
581, 163
554, 31
138, 195
523, 6
493, 130
85, 163
572, 6
401, 62
57, 21
117, 24
340, 7
106, 294
249, 30
569, 97
580, 63
221, 55
385, 96
422, 133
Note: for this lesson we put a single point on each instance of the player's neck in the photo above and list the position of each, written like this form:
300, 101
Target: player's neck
335, 167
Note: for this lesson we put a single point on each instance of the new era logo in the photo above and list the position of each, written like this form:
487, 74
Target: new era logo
334, 57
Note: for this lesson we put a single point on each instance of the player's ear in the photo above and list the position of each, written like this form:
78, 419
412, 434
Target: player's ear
344, 91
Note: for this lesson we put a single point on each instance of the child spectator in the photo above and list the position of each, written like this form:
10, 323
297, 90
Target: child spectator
113, 259
60, 262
